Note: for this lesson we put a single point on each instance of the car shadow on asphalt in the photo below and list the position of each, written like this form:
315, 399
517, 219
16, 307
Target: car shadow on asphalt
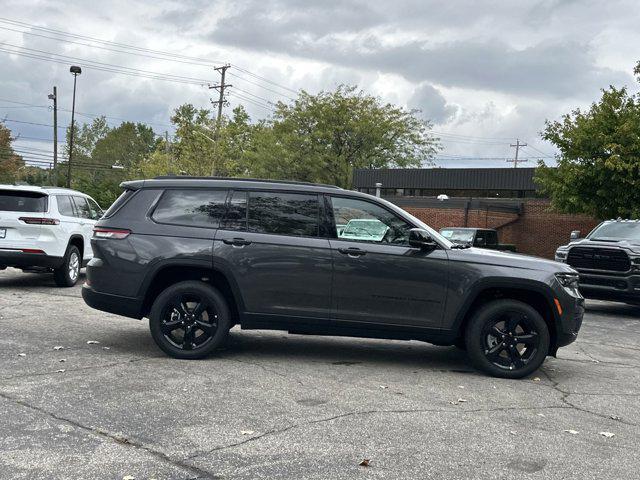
343, 351
614, 309
16, 279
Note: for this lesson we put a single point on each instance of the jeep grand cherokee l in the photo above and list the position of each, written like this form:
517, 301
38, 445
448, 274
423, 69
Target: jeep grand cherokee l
199, 255
608, 260
46, 229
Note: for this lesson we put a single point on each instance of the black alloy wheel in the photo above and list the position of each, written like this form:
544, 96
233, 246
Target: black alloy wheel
507, 339
188, 322
510, 340
189, 319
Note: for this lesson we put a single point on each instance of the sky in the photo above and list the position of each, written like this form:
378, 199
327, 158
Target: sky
484, 73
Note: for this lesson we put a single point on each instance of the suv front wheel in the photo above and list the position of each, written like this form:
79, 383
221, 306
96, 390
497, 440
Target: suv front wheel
507, 339
189, 320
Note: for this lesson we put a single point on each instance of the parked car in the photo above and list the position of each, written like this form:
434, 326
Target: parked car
476, 237
197, 256
608, 260
46, 229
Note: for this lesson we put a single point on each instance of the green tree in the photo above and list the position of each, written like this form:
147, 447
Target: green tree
323, 137
10, 162
598, 171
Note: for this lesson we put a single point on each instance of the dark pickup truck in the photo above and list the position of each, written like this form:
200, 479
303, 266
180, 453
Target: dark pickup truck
608, 260
476, 237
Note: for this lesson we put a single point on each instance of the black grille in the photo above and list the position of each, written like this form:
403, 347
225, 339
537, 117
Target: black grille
599, 259
605, 282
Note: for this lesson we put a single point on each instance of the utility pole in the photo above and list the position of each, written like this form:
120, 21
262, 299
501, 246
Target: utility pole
221, 102
75, 71
517, 146
54, 96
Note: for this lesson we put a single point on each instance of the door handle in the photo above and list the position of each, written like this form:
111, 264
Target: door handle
236, 242
352, 252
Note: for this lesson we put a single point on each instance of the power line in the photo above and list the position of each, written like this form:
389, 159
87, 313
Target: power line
261, 86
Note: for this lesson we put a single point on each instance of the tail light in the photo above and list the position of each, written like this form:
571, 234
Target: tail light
114, 233
40, 221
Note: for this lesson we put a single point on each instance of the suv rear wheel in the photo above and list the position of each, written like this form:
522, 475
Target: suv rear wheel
189, 320
67, 274
507, 339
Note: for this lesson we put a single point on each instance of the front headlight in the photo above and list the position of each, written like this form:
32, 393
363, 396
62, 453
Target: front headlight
561, 255
569, 281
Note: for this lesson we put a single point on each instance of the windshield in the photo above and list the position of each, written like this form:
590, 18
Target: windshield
21, 201
464, 236
614, 231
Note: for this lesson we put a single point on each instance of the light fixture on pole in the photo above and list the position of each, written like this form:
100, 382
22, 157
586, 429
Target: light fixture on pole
75, 71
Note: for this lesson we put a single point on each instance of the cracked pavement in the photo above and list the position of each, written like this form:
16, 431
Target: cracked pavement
273, 405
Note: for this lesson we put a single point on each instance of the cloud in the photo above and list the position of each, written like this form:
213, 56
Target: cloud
430, 101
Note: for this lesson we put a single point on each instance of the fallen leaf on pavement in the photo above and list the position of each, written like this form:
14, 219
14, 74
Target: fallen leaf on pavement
383, 386
607, 434
92, 342
58, 348
62, 370
128, 477
540, 414
246, 432
461, 400
572, 432
22, 354
513, 432
536, 379
614, 417
106, 348
364, 463
62, 360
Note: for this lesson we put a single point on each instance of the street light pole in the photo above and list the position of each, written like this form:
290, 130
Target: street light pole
75, 70
54, 96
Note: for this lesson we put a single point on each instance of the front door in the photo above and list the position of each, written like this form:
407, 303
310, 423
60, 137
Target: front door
378, 278
271, 242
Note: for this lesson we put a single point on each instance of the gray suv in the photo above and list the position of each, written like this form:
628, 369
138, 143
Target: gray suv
200, 255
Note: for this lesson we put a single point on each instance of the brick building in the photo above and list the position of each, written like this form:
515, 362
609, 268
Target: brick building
502, 198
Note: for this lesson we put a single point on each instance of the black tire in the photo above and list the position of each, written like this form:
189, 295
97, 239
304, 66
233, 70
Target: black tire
189, 320
68, 273
492, 338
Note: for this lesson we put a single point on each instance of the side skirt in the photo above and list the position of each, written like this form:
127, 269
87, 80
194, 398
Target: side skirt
343, 328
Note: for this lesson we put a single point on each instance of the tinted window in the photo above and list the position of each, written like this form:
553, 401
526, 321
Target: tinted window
236, 217
82, 207
201, 208
492, 237
119, 202
16, 201
283, 213
65, 206
366, 222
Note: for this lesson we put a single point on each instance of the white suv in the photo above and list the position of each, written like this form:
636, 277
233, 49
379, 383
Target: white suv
46, 229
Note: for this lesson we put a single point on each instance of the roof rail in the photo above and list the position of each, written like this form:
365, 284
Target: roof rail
236, 179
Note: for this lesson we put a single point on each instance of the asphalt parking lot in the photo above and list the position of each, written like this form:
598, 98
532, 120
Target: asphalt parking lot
273, 405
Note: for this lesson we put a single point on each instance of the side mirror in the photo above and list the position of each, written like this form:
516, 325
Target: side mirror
418, 238
575, 235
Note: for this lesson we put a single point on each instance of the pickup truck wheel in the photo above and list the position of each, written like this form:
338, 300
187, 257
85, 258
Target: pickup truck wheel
189, 320
67, 274
507, 339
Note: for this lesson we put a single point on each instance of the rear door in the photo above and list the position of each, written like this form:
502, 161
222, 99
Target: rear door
87, 221
16, 204
273, 244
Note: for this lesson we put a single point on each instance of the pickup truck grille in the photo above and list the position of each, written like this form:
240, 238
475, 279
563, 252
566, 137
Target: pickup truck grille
599, 259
